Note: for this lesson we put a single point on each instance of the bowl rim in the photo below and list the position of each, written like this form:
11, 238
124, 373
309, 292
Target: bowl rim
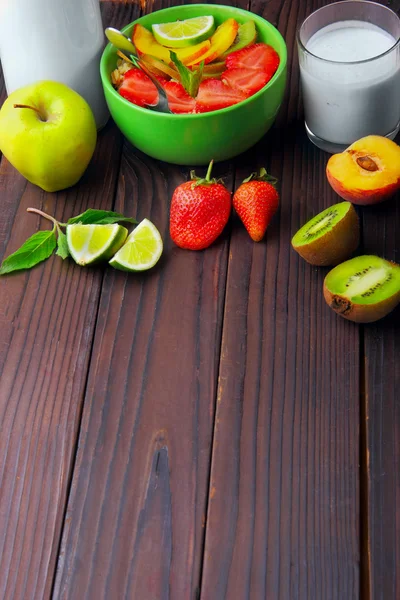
106, 82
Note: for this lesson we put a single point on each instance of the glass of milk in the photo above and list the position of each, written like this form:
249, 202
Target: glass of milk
349, 55
60, 40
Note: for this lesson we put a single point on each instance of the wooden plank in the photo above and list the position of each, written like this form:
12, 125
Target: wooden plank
137, 507
382, 410
47, 320
381, 232
283, 515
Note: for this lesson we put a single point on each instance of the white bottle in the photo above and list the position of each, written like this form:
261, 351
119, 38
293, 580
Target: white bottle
60, 40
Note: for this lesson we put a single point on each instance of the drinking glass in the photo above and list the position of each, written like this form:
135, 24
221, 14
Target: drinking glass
344, 101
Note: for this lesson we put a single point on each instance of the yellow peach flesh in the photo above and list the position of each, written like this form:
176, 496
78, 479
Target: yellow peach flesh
187, 55
367, 172
222, 39
146, 43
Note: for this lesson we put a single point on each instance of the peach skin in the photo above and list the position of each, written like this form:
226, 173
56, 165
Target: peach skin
367, 172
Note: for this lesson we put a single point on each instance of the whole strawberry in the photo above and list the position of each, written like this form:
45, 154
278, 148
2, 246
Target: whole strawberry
256, 201
200, 209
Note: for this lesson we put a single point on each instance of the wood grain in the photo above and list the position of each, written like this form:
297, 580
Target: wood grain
382, 371
229, 354
137, 507
47, 323
283, 516
47, 320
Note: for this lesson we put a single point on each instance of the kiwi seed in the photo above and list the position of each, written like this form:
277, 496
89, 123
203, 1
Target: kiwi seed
330, 237
363, 289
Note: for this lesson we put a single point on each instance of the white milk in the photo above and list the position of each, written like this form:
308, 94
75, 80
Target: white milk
344, 102
61, 40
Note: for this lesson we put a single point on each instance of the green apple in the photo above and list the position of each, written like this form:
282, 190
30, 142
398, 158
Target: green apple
48, 133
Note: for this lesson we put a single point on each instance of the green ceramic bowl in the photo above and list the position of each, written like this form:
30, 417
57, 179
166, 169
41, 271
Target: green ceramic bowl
195, 139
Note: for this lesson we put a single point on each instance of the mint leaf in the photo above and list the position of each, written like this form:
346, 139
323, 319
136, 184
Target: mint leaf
62, 245
92, 216
37, 248
189, 79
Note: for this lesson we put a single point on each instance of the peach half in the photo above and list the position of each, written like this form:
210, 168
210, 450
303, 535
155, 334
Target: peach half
367, 172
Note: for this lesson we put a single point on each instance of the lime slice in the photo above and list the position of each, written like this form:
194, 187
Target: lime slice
184, 33
141, 250
91, 243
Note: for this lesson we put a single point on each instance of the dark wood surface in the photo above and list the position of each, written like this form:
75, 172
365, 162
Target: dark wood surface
209, 429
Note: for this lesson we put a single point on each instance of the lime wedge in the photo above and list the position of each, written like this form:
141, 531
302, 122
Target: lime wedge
184, 33
141, 250
89, 244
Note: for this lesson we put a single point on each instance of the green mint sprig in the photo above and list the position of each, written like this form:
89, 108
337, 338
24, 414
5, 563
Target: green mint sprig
42, 244
92, 216
189, 79
36, 249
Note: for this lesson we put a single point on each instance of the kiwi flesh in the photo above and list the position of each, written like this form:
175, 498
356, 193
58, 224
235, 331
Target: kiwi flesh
330, 237
363, 289
246, 35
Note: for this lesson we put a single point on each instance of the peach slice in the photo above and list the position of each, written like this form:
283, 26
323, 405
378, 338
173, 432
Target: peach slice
367, 172
146, 43
222, 39
192, 53
158, 67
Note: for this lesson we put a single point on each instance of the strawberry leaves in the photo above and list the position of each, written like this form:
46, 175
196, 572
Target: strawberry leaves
263, 175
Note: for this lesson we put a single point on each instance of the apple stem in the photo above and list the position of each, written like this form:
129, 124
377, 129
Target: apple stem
44, 215
32, 108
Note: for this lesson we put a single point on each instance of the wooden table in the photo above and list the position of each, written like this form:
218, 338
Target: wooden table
209, 429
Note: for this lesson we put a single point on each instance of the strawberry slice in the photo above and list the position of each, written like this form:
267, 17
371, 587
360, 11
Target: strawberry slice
248, 81
138, 88
214, 94
178, 99
261, 57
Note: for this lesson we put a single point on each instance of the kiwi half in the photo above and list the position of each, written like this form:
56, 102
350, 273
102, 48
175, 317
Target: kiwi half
363, 289
246, 35
330, 237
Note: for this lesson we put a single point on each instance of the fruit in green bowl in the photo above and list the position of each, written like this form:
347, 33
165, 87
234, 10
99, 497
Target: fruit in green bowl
188, 32
193, 139
48, 133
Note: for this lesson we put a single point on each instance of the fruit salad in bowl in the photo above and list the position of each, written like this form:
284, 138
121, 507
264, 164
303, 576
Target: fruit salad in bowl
201, 68
222, 69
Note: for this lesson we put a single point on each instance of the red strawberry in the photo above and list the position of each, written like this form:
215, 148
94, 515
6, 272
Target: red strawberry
138, 88
256, 201
200, 209
214, 94
261, 57
178, 99
248, 81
